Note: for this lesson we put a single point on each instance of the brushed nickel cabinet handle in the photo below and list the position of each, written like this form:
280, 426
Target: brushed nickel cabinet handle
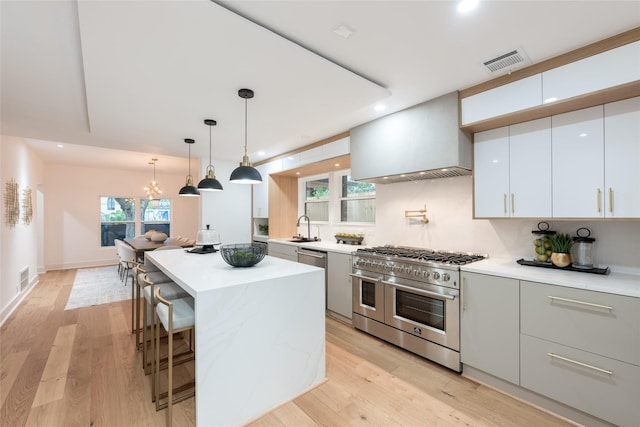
513, 203
504, 202
575, 362
610, 200
598, 202
590, 304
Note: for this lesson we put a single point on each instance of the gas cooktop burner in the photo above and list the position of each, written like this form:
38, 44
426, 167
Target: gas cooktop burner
453, 258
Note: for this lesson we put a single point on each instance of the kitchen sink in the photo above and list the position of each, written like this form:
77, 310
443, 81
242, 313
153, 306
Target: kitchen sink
301, 240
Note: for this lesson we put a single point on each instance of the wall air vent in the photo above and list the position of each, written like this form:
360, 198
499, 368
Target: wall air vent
514, 59
24, 279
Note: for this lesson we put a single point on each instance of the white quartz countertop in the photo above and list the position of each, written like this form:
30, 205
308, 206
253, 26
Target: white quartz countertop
613, 283
204, 272
323, 245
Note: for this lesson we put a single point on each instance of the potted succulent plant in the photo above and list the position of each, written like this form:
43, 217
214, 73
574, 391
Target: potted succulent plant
561, 244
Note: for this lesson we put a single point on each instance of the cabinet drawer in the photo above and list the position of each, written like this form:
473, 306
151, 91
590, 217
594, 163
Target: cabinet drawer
283, 251
601, 323
571, 377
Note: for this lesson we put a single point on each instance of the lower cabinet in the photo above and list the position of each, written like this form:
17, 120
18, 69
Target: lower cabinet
284, 251
339, 294
490, 325
600, 386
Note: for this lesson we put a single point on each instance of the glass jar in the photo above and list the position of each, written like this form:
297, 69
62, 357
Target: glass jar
583, 248
541, 243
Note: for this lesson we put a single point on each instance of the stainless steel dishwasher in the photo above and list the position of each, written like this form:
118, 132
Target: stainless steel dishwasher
318, 259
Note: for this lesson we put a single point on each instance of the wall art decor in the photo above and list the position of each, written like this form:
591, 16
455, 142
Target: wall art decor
11, 203
27, 207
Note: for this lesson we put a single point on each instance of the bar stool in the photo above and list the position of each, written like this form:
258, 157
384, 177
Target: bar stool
175, 316
170, 291
154, 275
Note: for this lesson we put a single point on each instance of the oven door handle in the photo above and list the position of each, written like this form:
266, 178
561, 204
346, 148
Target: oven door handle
364, 277
418, 290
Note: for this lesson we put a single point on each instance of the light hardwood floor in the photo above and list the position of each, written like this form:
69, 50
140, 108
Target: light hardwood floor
79, 368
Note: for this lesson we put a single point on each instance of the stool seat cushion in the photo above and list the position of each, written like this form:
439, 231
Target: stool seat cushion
183, 314
155, 277
168, 290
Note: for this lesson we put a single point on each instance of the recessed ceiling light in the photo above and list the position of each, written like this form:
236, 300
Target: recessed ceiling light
386, 177
337, 164
444, 170
551, 99
297, 173
465, 6
380, 107
582, 135
344, 31
59, 145
421, 173
261, 153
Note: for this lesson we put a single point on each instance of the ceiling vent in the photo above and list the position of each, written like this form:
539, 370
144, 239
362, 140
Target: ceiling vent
509, 61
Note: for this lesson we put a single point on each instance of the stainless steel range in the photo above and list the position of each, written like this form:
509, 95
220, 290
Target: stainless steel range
410, 297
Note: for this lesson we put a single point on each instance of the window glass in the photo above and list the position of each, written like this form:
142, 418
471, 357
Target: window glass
357, 201
155, 215
117, 219
316, 206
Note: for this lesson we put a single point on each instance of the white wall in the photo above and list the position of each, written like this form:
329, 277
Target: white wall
227, 211
18, 247
72, 211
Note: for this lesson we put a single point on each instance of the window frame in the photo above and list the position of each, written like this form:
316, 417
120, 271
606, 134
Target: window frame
137, 221
335, 198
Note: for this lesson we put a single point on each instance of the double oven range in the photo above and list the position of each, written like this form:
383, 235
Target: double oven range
410, 297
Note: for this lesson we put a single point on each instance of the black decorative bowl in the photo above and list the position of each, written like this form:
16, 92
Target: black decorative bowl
243, 254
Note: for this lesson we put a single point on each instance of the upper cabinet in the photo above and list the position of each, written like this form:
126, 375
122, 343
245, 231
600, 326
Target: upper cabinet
607, 69
518, 95
600, 73
512, 167
582, 164
578, 163
622, 159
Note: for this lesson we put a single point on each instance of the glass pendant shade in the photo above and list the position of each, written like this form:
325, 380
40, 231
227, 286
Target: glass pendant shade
153, 188
209, 182
245, 173
189, 190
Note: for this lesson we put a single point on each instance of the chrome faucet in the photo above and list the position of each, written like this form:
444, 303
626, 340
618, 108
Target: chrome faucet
308, 225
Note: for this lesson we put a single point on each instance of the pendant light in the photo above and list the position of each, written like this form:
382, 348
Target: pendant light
153, 189
209, 182
245, 173
189, 190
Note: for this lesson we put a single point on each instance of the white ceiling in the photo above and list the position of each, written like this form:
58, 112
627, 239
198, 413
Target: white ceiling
143, 75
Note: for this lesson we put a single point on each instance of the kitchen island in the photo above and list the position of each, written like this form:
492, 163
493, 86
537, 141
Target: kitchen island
260, 332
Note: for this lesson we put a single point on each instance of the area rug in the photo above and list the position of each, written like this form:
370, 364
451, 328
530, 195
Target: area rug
100, 285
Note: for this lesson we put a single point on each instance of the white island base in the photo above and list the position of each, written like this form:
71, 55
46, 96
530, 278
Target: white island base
260, 332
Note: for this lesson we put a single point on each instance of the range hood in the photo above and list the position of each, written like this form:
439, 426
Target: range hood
421, 142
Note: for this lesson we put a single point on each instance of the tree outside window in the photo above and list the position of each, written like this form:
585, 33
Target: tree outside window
117, 219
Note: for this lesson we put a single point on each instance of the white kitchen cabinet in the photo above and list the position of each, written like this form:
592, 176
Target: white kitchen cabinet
284, 251
512, 167
607, 69
582, 348
489, 325
339, 292
491, 173
505, 99
530, 169
578, 163
622, 158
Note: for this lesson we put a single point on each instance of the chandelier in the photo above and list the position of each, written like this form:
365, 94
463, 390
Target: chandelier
153, 189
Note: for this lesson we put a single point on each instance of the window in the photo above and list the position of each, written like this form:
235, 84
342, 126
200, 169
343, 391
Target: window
155, 215
335, 198
357, 201
316, 204
117, 219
